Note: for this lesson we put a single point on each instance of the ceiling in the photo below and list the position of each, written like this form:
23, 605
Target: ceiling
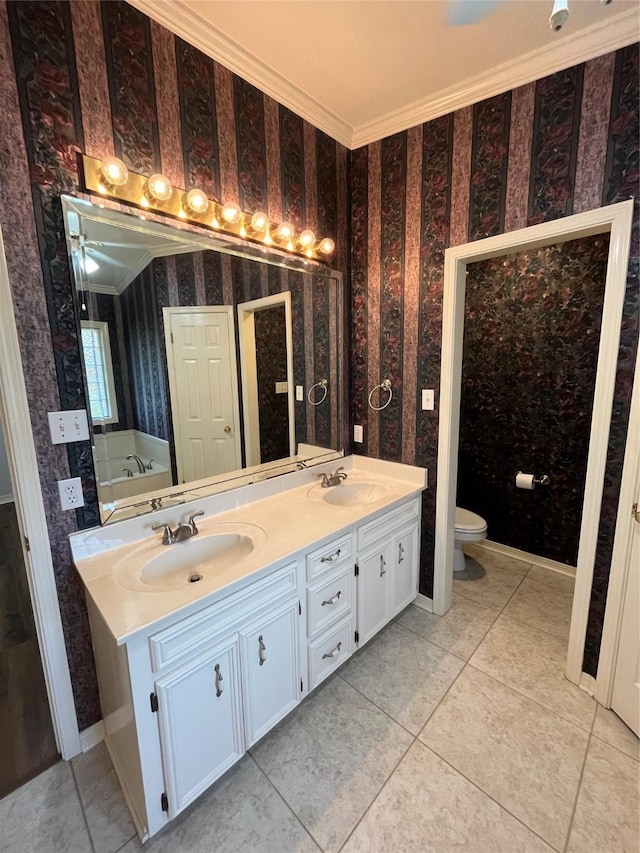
362, 69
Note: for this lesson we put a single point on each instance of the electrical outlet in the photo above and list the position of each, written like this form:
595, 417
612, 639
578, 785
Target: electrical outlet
68, 426
358, 434
300, 393
428, 401
70, 490
282, 387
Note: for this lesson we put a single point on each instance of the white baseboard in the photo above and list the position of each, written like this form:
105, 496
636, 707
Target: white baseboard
588, 684
92, 736
423, 602
516, 554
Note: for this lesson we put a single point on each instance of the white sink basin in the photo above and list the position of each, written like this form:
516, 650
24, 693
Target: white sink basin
153, 567
350, 494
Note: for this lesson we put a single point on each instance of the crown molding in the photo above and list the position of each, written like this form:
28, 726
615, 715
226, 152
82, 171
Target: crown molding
611, 34
593, 41
194, 29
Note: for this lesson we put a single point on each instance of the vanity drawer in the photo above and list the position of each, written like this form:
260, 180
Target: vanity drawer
329, 652
190, 636
329, 600
333, 555
384, 525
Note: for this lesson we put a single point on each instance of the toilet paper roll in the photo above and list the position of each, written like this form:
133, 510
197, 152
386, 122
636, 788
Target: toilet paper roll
524, 481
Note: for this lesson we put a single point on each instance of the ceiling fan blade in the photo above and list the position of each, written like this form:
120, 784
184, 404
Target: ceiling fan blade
463, 12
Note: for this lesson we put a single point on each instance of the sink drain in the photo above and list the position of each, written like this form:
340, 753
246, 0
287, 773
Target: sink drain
195, 577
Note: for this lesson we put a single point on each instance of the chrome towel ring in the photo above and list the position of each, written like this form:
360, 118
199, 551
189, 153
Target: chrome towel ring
385, 385
322, 396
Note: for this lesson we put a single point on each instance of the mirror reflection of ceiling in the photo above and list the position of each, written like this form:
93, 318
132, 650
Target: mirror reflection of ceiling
363, 69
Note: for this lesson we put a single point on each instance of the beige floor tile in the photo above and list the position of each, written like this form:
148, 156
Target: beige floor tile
610, 728
533, 662
241, 813
459, 631
607, 811
330, 758
426, 807
403, 674
487, 584
483, 556
522, 755
44, 816
107, 815
544, 599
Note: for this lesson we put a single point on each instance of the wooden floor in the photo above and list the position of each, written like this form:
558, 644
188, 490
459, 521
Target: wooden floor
27, 741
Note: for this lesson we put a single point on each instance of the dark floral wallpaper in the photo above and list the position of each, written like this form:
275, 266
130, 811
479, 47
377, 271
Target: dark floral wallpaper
271, 363
561, 145
102, 78
532, 329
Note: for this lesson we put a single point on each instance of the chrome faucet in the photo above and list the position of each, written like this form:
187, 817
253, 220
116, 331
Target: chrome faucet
141, 467
333, 479
185, 530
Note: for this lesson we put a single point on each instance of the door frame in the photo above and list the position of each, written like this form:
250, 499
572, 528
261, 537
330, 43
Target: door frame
621, 557
615, 219
249, 372
201, 309
38, 561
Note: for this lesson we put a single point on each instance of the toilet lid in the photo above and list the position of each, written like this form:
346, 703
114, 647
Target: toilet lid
467, 520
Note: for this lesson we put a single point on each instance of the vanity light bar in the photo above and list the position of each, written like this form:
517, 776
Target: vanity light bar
110, 177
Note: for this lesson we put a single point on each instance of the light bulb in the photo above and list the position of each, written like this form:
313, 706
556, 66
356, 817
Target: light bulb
159, 188
114, 172
231, 213
326, 246
197, 201
307, 239
267, 239
259, 221
285, 231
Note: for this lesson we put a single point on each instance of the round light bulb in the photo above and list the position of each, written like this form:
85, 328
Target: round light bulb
285, 231
159, 188
197, 201
114, 172
307, 239
326, 245
231, 213
259, 221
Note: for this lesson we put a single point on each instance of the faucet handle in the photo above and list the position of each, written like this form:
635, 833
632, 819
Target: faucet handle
149, 464
168, 537
192, 523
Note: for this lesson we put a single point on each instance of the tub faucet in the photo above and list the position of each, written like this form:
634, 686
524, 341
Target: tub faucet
333, 479
139, 461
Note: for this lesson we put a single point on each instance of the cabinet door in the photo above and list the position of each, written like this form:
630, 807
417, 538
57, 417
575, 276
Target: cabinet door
403, 579
270, 669
200, 718
372, 585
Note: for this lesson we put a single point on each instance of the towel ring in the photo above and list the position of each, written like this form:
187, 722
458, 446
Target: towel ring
385, 385
322, 384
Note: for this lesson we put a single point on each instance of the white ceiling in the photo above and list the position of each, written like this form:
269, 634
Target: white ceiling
362, 69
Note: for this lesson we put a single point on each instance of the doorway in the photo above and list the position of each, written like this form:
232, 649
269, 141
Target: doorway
616, 221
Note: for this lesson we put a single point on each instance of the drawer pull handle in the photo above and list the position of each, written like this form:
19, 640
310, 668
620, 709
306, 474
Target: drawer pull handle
400, 552
333, 598
331, 557
333, 652
261, 650
219, 679
383, 570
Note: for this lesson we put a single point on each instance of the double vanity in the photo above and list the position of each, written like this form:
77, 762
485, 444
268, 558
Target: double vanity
207, 636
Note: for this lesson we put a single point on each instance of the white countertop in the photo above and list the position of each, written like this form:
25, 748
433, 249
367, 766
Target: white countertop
292, 520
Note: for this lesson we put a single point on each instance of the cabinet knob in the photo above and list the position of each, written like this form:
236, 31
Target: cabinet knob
333, 652
383, 564
261, 650
400, 552
333, 598
219, 680
331, 557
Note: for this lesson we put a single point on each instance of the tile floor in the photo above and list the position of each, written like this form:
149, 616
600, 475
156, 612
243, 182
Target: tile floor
445, 734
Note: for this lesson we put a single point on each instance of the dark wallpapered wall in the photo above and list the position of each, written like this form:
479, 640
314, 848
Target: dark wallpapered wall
532, 329
564, 144
102, 78
271, 363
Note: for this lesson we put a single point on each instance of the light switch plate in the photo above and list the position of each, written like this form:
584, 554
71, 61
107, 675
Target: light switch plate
282, 387
427, 399
68, 426
70, 490
300, 393
358, 434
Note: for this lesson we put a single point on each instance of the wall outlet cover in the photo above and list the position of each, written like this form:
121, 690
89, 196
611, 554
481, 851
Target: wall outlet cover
358, 435
300, 393
68, 426
71, 496
282, 387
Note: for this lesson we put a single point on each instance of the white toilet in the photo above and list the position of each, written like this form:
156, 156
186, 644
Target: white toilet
469, 528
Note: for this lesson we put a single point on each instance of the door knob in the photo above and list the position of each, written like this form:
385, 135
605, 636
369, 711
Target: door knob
227, 429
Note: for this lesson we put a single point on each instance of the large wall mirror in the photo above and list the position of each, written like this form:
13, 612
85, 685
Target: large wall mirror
207, 362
